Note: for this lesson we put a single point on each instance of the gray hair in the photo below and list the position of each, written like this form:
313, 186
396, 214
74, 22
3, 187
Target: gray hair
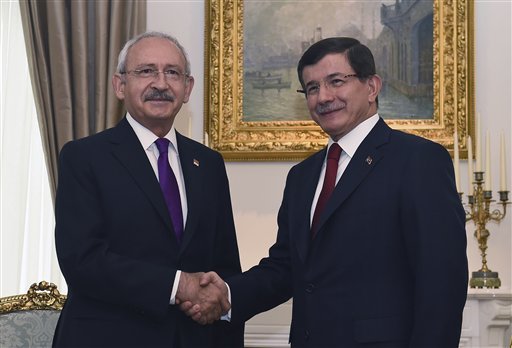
121, 65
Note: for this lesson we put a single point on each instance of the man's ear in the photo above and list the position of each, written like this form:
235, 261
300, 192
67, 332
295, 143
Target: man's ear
374, 86
189, 84
118, 84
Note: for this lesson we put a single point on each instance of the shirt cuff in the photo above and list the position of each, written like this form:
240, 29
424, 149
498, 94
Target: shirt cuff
175, 288
227, 317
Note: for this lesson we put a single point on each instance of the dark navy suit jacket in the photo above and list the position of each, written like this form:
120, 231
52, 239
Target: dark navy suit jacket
388, 267
116, 245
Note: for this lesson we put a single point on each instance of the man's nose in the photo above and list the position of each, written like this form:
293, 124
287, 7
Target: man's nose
160, 81
324, 92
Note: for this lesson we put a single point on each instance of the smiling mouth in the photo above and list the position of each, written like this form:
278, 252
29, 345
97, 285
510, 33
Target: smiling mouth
159, 100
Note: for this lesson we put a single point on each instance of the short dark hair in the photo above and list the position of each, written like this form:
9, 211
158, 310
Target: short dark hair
359, 56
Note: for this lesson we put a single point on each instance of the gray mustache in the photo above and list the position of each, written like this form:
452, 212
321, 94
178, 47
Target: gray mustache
323, 108
159, 95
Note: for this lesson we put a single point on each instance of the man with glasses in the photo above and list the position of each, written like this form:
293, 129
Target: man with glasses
371, 243
141, 211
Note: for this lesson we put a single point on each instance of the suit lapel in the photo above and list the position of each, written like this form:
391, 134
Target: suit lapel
302, 232
127, 149
365, 159
193, 176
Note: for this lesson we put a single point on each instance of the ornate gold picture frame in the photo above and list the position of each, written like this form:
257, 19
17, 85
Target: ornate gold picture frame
241, 140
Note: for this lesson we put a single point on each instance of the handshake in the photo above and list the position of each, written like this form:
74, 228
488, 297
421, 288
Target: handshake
203, 296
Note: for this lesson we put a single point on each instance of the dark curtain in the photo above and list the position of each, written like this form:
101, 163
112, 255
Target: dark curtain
72, 49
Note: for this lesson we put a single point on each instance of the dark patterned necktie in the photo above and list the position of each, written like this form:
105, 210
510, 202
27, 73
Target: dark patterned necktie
169, 187
333, 158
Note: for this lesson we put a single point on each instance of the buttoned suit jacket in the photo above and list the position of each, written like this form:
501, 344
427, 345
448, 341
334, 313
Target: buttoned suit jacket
388, 267
116, 245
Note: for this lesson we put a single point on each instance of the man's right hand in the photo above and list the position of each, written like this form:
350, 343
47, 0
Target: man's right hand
203, 296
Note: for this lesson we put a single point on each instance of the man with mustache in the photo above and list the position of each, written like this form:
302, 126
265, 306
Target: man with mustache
371, 243
141, 211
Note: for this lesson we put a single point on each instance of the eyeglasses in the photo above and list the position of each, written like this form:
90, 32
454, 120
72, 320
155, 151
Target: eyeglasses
170, 74
330, 82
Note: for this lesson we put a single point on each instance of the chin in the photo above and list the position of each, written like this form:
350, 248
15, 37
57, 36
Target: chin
330, 127
334, 133
159, 115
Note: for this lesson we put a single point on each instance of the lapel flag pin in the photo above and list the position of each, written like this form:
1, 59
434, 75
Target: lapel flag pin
369, 160
196, 162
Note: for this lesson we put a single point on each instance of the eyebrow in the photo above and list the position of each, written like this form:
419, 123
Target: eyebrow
153, 65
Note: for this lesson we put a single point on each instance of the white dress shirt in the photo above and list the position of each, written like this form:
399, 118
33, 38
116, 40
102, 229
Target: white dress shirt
349, 144
147, 140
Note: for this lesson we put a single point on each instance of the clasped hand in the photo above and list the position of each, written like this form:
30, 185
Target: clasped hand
202, 296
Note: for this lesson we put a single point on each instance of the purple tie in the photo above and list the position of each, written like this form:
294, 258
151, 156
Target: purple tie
169, 187
333, 158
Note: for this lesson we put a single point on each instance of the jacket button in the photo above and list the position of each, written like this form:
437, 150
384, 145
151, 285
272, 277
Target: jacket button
306, 335
310, 288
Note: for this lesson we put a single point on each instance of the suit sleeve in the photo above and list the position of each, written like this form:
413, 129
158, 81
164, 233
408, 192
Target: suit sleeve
89, 263
434, 232
227, 258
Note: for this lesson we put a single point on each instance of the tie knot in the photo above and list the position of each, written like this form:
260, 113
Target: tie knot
334, 152
162, 144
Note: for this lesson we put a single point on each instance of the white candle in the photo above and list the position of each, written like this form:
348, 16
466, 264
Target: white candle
206, 140
503, 172
478, 144
456, 160
487, 177
469, 145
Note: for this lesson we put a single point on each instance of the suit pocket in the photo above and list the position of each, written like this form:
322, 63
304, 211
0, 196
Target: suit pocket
393, 328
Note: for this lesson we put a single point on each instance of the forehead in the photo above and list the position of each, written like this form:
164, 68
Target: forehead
333, 63
157, 51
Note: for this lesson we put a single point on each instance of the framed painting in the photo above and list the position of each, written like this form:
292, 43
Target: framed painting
423, 51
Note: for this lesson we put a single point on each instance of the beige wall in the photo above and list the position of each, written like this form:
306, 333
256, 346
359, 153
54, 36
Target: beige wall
256, 188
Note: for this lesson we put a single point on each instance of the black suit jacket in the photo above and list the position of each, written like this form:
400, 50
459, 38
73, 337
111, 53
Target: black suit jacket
388, 267
117, 249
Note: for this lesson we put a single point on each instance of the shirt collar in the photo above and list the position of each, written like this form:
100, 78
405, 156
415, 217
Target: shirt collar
351, 141
147, 137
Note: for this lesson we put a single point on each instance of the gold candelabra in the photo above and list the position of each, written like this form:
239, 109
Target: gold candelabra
480, 212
